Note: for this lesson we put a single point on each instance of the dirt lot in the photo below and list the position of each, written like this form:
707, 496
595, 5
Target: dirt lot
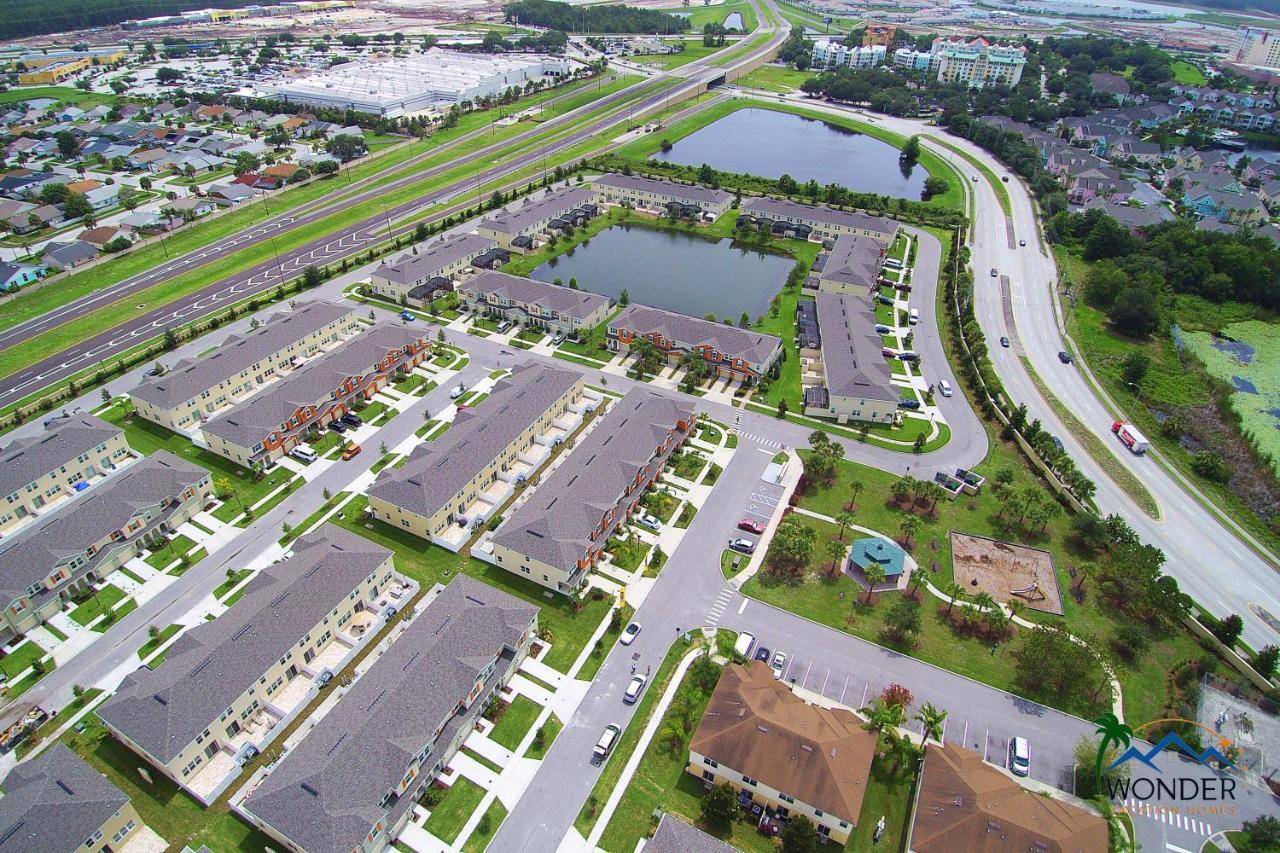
998, 568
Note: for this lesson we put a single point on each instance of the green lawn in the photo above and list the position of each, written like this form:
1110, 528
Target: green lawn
699, 15
515, 722
693, 51
454, 809
566, 630
100, 603
601, 649
157, 641
20, 659
227, 585
486, 828
178, 545
65, 94
1187, 74
775, 78
550, 729
65, 713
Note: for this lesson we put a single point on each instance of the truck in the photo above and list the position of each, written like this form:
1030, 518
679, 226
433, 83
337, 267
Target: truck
1134, 440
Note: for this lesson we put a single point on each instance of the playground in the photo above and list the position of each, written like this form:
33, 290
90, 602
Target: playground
1006, 572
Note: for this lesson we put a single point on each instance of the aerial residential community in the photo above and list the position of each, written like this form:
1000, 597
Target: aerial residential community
738, 425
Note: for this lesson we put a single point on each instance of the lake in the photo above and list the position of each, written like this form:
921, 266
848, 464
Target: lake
673, 270
804, 148
734, 21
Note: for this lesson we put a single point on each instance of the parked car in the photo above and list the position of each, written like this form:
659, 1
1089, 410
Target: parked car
504, 325
1004, 178
558, 339
352, 420
337, 426
973, 178
351, 452
994, 272
762, 654
884, 300
1057, 442
746, 546
1019, 756
888, 353
1004, 341
635, 688
1022, 242
751, 526
908, 404
604, 746
156, 370
458, 391
629, 634
882, 329
1065, 357
304, 453
779, 663
406, 316
650, 521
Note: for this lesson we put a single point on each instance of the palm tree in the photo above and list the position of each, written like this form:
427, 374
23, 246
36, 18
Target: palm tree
909, 526
900, 488
836, 551
954, 591
1016, 606
916, 581
934, 493
884, 719
874, 573
933, 720
855, 489
1113, 732
984, 601
844, 519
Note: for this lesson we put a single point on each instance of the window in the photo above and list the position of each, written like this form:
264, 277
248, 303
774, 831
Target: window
710, 762
747, 780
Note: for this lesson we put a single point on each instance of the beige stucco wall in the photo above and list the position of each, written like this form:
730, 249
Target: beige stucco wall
32, 498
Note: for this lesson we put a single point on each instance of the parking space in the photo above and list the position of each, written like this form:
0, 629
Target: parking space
753, 516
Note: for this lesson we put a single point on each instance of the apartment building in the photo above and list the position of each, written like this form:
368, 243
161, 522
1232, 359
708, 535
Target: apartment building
518, 229
262, 428
195, 389
844, 372
534, 303
729, 351
852, 266
961, 799
39, 473
352, 782
450, 485
682, 201
69, 551
813, 221
978, 63
828, 53
780, 752
58, 803
561, 530
673, 835
418, 278
229, 686
1256, 46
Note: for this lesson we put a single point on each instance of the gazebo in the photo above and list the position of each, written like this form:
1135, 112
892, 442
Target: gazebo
873, 549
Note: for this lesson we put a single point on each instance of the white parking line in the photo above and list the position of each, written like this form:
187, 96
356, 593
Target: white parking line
742, 606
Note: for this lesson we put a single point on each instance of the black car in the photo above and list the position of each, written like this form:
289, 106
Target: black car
762, 654
908, 404
351, 419
1064, 357
338, 426
1004, 341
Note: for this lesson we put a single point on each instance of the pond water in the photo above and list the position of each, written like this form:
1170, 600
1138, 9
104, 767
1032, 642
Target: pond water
673, 270
771, 144
734, 21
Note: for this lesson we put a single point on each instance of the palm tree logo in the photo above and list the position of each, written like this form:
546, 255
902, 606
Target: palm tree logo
1114, 733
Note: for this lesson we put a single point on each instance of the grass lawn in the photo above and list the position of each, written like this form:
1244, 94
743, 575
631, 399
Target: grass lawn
54, 723
481, 760
310, 521
1187, 74
775, 78
549, 730
227, 585
566, 630
454, 809
178, 545
486, 828
627, 553
99, 604
158, 640
600, 651
515, 722
699, 15
686, 515
693, 51
20, 659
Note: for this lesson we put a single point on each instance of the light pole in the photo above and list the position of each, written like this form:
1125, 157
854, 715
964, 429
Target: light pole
387, 215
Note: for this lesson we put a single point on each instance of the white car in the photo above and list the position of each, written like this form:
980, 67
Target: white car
458, 391
635, 688
779, 664
944, 387
649, 521
1019, 757
629, 634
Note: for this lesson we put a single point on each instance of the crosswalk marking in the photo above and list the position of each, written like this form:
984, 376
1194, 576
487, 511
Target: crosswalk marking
721, 602
760, 439
1168, 816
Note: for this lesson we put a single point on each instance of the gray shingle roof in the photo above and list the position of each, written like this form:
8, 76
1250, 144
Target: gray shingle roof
689, 193
69, 253
55, 802
32, 554
215, 662
189, 377
551, 205
438, 470
780, 209
26, 460
563, 300
851, 348
555, 524
675, 836
253, 419
854, 260
430, 261
325, 794
690, 332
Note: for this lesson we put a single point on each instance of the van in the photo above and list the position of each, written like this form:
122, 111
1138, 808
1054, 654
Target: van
945, 387
746, 642
303, 452
1019, 757
915, 316
606, 743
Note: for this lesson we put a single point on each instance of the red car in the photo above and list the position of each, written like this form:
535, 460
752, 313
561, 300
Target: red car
751, 526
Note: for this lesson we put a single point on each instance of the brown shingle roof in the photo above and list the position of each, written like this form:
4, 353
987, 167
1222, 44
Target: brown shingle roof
966, 804
755, 725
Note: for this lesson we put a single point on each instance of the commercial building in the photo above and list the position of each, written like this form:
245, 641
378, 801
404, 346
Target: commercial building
836, 54
195, 389
782, 753
38, 473
458, 481
262, 428
682, 201
518, 229
813, 221
58, 803
418, 278
729, 351
561, 530
844, 372
419, 82
54, 73
69, 551
352, 782
883, 34
534, 303
961, 801
1256, 46
978, 63
229, 686
852, 266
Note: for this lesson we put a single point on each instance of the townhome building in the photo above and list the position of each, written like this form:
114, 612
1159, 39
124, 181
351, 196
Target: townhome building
265, 426
851, 266
352, 782
561, 530
730, 352
40, 472
681, 201
193, 390
417, 278
453, 484
58, 803
534, 303
843, 368
66, 552
783, 754
230, 686
814, 221
518, 229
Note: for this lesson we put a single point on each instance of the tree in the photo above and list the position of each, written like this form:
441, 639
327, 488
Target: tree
719, 806
954, 591
165, 74
1134, 313
624, 298
68, 145
935, 186
799, 835
1090, 781
856, 488
910, 524
1266, 660
246, 162
874, 573
1134, 367
845, 519
1052, 666
1228, 630
327, 167
900, 488
78, 207
345, 147
1264, 833
311, 276
911, 151
836, 551
792, 545
884, 718
933, 720
902, 622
